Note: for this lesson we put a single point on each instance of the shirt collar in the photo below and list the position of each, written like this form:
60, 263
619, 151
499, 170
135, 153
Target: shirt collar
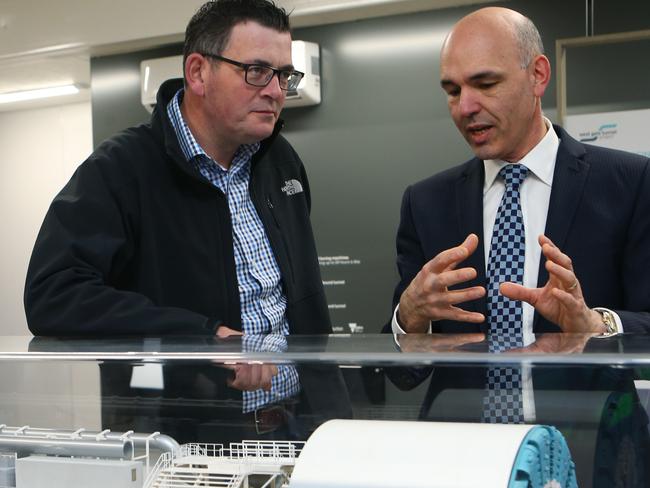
540, 160
190, 147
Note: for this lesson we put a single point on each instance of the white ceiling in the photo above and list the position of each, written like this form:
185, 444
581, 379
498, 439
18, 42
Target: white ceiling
46, 43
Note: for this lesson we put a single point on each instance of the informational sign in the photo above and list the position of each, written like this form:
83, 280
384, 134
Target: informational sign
337, 273
628, 130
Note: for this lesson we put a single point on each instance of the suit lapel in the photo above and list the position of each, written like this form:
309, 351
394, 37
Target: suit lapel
567, 188
469, 201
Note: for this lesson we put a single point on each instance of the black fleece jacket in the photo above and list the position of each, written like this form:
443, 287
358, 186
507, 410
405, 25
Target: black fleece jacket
139, 243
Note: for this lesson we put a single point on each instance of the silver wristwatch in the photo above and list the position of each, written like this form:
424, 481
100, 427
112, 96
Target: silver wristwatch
611, 329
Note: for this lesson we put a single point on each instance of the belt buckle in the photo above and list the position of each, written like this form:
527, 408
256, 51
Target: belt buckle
268, 419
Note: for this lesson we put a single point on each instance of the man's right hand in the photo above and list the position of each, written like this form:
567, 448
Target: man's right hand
428, 298
247, 377
251, 377
224, 331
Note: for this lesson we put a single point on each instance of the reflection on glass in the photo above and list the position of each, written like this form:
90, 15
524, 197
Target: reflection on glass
583, 386
216, 401
597, 408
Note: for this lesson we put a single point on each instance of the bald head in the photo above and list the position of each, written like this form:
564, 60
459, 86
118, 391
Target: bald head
494, 73
519, 28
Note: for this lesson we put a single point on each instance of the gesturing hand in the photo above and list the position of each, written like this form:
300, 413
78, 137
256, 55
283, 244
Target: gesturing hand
428, 296
560, 300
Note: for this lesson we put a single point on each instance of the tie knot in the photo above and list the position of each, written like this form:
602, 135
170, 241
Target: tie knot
513, 175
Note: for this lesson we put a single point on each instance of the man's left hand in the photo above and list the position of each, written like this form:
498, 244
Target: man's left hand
560, 300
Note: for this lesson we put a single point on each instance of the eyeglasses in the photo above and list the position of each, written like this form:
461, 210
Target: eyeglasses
260, 75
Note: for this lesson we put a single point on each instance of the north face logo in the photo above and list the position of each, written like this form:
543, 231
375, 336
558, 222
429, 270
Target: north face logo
291, 187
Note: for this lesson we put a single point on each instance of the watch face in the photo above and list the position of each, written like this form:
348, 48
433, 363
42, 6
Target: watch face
609, 321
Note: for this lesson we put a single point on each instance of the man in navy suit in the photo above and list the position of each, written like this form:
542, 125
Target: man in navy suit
584, 234
586, 210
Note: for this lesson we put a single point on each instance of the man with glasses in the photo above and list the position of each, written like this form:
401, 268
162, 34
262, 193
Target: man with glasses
185, 225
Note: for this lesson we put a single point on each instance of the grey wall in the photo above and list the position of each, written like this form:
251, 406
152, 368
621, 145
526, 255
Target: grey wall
383, 124
115, 90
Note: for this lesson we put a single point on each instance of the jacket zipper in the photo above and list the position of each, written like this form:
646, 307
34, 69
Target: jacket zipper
270, 206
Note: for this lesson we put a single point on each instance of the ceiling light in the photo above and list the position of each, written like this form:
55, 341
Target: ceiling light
54, 91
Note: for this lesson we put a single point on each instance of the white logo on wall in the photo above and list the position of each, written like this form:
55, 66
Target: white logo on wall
605, 131
291, 187
355, 328
627, 130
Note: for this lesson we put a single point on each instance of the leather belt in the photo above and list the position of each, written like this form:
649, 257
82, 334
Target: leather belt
271, 417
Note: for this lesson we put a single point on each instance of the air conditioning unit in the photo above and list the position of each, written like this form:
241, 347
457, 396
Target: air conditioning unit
305, 58
152, 74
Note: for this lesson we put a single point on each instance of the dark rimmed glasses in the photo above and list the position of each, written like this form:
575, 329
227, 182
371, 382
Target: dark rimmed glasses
261, 75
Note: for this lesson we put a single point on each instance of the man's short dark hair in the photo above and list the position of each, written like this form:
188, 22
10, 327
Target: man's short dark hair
209, 29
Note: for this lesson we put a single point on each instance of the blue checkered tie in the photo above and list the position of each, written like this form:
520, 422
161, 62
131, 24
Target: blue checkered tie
503, 402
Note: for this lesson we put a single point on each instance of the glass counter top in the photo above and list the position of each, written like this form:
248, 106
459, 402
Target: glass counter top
359, 349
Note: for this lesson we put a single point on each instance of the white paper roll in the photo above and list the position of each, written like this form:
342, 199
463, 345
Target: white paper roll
378, 454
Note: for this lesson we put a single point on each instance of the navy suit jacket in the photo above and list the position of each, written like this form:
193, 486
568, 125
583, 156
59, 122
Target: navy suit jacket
599, 215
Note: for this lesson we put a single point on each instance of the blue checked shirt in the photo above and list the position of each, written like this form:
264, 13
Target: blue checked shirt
263, 304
